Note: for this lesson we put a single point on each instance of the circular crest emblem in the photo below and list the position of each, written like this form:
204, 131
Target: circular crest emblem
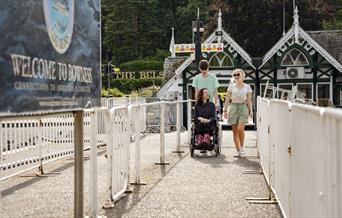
59, 19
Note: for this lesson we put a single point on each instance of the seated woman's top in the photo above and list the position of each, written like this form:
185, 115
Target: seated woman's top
207, 110
239, 95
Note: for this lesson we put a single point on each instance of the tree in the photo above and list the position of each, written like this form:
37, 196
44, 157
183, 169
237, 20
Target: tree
136, 29
336, 22
257, 25
131, 29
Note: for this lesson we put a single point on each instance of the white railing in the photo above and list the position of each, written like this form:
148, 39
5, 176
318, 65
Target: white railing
27, 142
130, 120
30, 141
161, 111
300, 150
118, 152
121, 101
278, 93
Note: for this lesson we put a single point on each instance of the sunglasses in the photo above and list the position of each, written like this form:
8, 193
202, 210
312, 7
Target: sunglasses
236, 74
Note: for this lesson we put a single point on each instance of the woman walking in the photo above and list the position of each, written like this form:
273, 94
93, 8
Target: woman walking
237, 108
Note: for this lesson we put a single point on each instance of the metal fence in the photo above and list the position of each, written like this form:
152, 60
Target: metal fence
122, 101
31, 141
118, 151
300, 150
27, 142
158, 120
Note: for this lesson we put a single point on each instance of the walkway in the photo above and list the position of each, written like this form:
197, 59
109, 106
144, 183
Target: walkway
204, 186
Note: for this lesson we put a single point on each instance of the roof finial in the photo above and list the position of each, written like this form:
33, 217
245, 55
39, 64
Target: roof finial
219, 27
296, 24
172, 44
219, 21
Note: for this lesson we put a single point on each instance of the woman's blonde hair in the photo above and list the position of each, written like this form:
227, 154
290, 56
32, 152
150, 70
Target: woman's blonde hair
242, 75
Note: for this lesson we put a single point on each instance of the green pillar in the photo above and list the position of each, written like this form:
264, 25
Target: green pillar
275, 68
334, 87
185, 97
314, 72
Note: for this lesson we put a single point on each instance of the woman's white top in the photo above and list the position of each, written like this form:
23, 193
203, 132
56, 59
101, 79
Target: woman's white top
239, 95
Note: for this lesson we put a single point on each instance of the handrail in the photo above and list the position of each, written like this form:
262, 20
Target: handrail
300, 143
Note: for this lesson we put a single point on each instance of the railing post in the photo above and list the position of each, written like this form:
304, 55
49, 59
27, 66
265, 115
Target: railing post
1, 156
78, 179
93, 165
162, 135
109, 203
178, 111
137, 129
40, 147
220, 137
189, 121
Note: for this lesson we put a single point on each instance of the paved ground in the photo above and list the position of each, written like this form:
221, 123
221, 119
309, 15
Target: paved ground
200, 186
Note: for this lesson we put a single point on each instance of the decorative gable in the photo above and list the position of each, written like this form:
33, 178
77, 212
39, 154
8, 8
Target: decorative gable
305, 41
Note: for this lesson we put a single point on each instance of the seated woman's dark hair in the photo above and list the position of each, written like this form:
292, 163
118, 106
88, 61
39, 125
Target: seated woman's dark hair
199, 99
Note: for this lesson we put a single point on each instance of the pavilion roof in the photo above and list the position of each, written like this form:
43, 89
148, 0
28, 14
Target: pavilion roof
330, 40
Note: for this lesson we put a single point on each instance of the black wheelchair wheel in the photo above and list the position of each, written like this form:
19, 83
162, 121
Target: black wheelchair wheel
192, 151
217, 150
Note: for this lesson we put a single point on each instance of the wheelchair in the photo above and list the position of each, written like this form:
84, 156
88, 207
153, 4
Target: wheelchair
214, 143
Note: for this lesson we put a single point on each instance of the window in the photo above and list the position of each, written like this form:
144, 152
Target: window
221, 59
304, 91
323, 90
295, 58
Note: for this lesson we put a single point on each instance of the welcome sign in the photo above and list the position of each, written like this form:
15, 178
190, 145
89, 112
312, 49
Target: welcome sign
49, 55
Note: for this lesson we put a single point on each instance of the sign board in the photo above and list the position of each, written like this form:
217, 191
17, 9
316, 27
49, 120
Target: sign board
205, 47
141, 75
49, 55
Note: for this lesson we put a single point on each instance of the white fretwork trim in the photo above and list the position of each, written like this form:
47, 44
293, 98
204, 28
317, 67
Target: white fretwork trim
190, 59
237, 48
277, 46
181, 68
306, 38
320, 50
174, 78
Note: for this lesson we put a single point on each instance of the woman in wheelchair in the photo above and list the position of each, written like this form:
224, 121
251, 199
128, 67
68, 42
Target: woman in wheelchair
205, 118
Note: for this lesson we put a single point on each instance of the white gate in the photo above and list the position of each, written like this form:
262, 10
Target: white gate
118, 151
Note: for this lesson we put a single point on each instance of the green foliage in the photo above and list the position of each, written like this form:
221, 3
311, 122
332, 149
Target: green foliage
104, 93
148, 91
113, 93
159, 55
140, 29
138, 32
139, 65
335, 24
257, 25
136, 29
